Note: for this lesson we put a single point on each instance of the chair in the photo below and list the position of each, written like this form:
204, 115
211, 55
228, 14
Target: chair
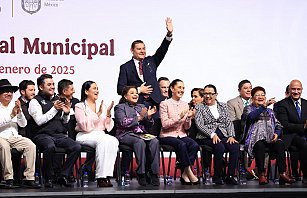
207, 152
119, 163
170, 149
58, 151
290, 159
270, 173
88, 162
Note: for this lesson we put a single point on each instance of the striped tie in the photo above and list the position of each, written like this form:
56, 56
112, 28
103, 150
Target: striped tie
298, 109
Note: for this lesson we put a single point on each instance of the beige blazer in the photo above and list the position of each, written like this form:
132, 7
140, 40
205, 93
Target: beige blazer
235, 108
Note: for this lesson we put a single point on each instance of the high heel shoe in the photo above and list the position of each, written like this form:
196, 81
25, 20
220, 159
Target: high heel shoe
284, 178
183, 182
196, 182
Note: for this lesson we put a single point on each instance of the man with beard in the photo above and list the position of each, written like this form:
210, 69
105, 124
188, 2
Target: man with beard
50, 115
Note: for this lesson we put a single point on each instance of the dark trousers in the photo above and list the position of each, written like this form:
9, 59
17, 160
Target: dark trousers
219, 149
185, 148
278, 149
47, 144
301, 144
146, 152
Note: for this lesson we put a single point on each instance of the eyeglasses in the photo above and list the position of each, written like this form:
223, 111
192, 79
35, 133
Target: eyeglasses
209, 94
258, 95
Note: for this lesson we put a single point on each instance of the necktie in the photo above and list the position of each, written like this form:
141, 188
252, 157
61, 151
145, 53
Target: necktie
298, 109
246, 103
140, 68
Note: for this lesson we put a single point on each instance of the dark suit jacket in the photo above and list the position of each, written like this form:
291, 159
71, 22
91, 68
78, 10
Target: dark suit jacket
128, 75
287, 115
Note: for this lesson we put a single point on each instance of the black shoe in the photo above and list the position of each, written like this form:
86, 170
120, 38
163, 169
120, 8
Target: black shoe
48, 183
64, 182
9, 184
297, 178
17, 182
30, 184
304, 180
148, 178
217, 180
142, 179
155, 180
231, 180
71, 179
183, 182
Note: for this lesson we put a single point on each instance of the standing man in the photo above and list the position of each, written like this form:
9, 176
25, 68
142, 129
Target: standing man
11, 115
141, 70
164, 86
292, 114
50, 115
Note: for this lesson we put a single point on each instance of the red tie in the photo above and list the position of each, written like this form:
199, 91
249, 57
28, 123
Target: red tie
140, 68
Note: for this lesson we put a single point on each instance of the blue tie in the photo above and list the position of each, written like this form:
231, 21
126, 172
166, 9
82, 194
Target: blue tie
298, 109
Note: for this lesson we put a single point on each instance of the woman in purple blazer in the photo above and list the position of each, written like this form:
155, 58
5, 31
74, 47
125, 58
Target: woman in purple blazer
132, 120
176, 120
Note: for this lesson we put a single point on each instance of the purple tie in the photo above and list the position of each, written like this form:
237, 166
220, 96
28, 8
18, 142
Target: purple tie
140, 68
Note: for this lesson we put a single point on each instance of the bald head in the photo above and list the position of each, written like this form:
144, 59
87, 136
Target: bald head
295, 88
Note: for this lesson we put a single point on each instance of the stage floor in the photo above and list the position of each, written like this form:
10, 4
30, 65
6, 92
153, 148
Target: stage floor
252, 189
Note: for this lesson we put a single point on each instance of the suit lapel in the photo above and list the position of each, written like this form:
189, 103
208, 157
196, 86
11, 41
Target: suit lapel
240, 104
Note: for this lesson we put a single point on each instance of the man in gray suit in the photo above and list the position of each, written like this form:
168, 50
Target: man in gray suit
236, 105
235, 108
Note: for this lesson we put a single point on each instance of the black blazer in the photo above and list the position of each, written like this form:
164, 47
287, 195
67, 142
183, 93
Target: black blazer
287, 115
128, 75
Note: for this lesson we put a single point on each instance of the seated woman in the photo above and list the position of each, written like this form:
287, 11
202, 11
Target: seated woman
215, 129
197, 95
91, 125
176, 119
262, 131
131, 120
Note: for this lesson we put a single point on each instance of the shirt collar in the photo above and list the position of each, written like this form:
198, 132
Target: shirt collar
294, 101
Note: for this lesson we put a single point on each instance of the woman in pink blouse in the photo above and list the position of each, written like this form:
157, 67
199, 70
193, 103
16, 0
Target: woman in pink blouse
176, 119
92, 122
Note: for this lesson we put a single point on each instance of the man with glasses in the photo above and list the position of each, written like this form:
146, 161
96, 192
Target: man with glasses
292, 113
11, 116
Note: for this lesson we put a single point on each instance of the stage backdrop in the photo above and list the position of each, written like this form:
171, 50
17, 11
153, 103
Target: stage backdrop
215, 41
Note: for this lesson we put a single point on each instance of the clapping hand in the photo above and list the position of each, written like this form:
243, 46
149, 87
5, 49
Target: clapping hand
109, 109
142, 114
183, 113
151, 111
66, 107
17, 109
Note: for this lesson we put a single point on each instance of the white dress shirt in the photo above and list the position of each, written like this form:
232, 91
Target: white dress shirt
35, 110
8, 125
